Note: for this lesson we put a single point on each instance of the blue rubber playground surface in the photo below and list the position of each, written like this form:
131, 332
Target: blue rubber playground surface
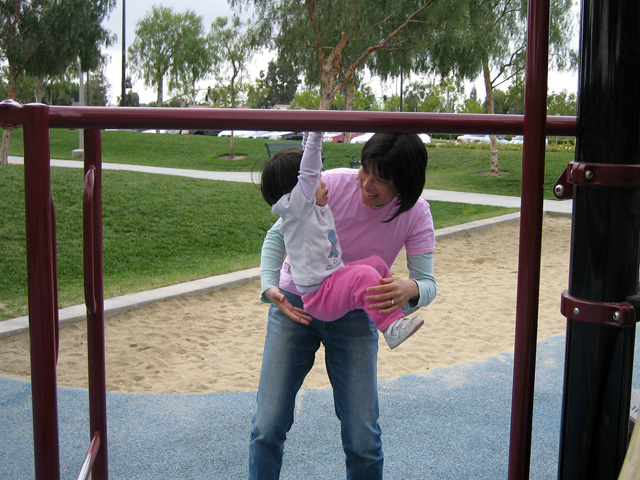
446, 423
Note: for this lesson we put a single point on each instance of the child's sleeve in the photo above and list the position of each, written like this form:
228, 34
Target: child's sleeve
311, 164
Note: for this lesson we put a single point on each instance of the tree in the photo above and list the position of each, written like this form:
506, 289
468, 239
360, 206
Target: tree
306, 100
364, 99
132, 99
45, 37
471, 104
562, 103
514, 100
277, 86
169, 44
492, 42
235, 51
331, 42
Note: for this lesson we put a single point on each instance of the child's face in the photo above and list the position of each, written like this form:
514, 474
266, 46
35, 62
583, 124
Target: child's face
322, 193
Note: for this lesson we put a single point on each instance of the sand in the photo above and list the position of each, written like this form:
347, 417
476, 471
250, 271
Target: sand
213, 342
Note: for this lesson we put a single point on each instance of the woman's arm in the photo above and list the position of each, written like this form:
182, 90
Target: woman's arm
409, 294
271, 258
421, 271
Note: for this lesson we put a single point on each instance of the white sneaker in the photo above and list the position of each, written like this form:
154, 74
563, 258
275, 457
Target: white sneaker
401, 329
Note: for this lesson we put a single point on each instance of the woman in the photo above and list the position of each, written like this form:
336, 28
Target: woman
377, 211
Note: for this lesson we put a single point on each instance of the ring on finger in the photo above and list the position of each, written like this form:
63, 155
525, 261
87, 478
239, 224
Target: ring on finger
393, 302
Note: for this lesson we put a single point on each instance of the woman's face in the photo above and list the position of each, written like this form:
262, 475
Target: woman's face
374, 190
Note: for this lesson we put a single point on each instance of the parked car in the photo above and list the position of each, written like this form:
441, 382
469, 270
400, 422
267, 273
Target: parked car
291, 136
425, 138
160, 131
337, 137
364, 138
204, 132
519, 140
473, 138
238, 133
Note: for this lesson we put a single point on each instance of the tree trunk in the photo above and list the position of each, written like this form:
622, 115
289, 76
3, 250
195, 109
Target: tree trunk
493, 142
4, 152
159, 95
325, 98
349, 92
6, 134
39, 90
232, 143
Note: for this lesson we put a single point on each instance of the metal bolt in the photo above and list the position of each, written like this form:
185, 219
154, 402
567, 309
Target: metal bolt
617, 316
576, 311
558, 191
588, 175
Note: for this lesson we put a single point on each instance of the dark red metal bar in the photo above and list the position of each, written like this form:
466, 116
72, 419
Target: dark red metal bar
90, 458
88, 239
54, 258
40, 267
95, 301
530, 245
211, 118
604, 243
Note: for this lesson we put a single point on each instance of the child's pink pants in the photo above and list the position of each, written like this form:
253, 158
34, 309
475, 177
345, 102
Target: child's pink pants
345, 290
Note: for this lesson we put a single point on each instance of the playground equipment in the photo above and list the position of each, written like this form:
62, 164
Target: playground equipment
594, 433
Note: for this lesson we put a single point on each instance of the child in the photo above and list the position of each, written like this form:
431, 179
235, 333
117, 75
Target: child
295, 190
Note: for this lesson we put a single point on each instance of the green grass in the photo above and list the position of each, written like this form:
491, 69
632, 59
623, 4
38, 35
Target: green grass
160, 230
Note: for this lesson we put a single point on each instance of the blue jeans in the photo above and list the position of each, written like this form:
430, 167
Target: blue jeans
351, 347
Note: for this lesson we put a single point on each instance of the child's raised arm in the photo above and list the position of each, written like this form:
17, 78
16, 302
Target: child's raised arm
311, 164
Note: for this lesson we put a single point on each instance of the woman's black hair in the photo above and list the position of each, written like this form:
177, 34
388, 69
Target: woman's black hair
280, 174
401, 158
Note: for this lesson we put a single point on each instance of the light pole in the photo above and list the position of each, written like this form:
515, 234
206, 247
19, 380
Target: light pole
123, 97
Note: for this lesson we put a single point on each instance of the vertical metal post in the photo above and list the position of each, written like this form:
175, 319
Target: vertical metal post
95, 298
40, 268
604, 250
530, 245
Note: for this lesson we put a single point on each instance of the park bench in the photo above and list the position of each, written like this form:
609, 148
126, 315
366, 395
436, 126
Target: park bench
275, 147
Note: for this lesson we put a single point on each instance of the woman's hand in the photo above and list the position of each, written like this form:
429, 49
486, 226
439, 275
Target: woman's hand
278, 298
392, 294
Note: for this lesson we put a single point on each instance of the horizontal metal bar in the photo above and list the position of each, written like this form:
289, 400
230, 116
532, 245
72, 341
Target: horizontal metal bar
604, 175
298, 120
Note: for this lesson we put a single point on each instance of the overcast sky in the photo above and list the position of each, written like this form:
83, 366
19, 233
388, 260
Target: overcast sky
209, 10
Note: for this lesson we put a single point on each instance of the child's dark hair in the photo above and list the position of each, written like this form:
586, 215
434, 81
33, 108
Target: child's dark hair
280, 174
401, 158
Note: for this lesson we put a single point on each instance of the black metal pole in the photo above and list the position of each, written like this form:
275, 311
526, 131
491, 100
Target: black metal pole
605, 244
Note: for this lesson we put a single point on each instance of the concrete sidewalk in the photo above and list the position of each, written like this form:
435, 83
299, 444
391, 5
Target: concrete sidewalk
555, 206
